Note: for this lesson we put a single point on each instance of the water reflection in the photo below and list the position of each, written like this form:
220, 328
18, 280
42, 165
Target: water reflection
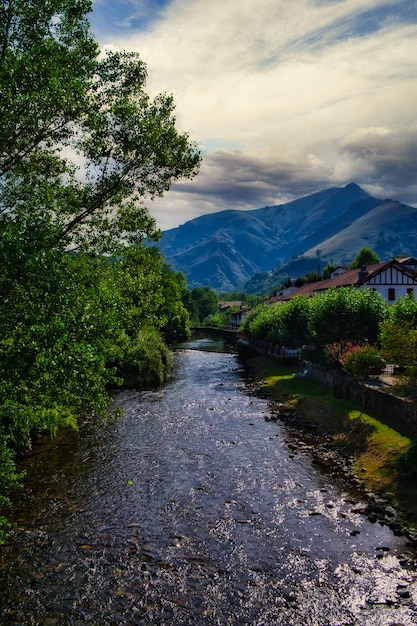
191, 509
215, 343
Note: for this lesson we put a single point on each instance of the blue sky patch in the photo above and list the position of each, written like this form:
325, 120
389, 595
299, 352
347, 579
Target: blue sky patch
112, 18
362, 24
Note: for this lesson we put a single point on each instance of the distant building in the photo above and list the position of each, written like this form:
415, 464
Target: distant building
392, 279
237, 318
285, 291
340, 269
224, 305
409, 262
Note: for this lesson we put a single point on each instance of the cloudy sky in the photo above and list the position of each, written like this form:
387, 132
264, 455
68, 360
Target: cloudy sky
283, 97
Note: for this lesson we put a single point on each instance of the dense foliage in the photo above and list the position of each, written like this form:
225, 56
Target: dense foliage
348, 314
287, 325
82, 145
399, 340
83, 148
204, 302
360, 361
365, 257
354, 329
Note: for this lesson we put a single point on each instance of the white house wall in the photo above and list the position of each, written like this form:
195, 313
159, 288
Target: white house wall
391, 277
400, 290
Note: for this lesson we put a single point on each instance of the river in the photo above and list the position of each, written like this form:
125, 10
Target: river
194, 508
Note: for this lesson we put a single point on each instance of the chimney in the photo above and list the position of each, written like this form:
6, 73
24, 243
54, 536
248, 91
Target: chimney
363, 273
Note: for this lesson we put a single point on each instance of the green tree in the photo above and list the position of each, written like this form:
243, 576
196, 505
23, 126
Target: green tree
176, 321
286, 324
310, 277
398, 344
83, 148
365, 257
57, 328
263, 322
396, 332
403, 311
146, 361
347, 313
56, 93
138, 278
399, 340
47, 61
295, 322
340, 314
327, 270
206, 301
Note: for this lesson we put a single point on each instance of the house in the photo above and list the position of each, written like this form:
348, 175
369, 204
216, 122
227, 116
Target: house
224, 305
410, 262
340, 269
392, 279
285, 291
237, 318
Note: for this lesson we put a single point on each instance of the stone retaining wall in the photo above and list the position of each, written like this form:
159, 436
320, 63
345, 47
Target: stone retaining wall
392, 410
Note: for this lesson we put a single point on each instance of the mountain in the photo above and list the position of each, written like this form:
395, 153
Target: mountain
224, 250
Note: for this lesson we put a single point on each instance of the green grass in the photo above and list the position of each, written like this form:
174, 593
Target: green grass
374, 446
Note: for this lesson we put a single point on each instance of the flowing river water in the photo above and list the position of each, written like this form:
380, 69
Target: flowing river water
194, 508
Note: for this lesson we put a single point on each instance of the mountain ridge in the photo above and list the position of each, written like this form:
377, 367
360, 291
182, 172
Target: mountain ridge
224, 250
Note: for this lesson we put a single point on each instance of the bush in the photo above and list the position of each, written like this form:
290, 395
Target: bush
147, 361
354, 359
343, 313
9, 479
362, 362
348, 314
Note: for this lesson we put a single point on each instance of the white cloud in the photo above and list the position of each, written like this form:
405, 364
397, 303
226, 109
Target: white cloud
282, 89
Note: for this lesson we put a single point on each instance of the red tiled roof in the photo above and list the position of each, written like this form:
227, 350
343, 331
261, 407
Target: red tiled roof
228, 304
349, 278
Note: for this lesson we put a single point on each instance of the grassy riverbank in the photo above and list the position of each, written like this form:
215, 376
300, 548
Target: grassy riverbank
374, 447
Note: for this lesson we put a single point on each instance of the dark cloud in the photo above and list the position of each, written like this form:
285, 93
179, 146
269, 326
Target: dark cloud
385, 159
235, 179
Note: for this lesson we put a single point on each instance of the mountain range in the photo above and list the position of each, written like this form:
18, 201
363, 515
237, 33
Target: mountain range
230, 249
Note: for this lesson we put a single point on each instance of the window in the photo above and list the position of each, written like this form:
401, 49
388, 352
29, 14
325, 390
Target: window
391, 294
410, 291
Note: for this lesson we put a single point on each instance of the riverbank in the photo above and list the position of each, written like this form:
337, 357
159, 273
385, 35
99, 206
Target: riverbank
345, 440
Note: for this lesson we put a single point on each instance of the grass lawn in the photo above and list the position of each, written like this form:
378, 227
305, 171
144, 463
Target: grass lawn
374, 446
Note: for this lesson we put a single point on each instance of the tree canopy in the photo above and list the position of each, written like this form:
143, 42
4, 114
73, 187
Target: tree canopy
343, 313
82, 145
366, 256
83, 149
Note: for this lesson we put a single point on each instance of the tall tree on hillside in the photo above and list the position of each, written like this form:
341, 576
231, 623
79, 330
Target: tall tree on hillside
366, 256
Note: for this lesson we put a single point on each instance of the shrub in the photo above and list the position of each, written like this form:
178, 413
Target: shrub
343, 313
347, 313
9, 480
356, 360
147, 361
